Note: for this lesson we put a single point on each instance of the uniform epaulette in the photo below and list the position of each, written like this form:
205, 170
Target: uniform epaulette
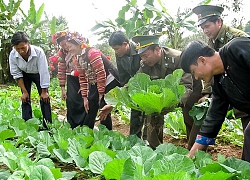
221, 39
229, 35
168, 60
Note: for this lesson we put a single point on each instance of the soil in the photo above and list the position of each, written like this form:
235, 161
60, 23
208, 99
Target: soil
226, 150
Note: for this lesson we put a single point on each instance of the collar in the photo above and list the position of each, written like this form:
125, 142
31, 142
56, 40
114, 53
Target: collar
162, 57
221, 34
132, 47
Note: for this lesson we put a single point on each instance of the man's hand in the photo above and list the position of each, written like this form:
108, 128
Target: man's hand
203, 98
25, 96
195, 148
45, 97
104, 112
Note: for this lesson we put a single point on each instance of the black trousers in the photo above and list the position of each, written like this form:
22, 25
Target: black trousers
246, 146
75, 108
93, 99
26, 107
137, 127
154, 125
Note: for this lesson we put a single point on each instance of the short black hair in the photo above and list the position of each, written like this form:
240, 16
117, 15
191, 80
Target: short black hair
192, 52
19, 37
117, 38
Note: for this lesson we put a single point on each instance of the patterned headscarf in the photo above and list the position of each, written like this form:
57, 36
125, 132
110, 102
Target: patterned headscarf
59, 36
77, 38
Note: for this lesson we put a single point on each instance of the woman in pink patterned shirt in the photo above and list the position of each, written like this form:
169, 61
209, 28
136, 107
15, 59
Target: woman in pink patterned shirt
75, 108
96, 75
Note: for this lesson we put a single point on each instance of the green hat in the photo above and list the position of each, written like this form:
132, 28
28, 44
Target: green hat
205, 12
143, 42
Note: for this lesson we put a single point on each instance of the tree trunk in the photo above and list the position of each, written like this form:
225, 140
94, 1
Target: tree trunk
1, 77
5, 74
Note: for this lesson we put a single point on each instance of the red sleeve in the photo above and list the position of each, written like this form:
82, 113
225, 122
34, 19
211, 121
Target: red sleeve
61, 69
83, 81
95, 57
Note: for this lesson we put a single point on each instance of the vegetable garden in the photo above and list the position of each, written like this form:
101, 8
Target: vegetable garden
83, 153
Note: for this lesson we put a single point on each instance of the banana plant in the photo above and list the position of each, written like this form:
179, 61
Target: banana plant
130, 25
33, 21
150, 20
8, 25
173, 26
40, 30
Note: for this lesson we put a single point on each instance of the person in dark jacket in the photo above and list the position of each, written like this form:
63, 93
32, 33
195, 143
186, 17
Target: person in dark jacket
210, 21
128, 63
230, 68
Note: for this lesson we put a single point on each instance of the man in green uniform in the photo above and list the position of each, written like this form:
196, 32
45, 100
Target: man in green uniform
158, 62
219, 34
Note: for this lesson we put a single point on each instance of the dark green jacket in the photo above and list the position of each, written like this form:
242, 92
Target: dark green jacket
128, 65
170, 61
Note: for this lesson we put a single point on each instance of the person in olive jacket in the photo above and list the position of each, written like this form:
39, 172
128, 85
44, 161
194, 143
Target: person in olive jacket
158, 62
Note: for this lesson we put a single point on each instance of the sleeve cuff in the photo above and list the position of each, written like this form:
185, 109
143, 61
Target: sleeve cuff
204, 140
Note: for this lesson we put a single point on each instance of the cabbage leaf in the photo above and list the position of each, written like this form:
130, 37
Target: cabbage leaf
149, 96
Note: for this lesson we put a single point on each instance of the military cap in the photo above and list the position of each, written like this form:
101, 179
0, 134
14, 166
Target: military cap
143, 42
205, 12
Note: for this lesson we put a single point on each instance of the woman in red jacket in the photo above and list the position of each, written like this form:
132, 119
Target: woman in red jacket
96, 75
66, 65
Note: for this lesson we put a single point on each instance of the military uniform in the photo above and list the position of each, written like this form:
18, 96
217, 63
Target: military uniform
226, 34
127, 66
170, 61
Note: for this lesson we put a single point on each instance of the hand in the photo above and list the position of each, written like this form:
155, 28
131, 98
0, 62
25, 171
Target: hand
45, 97
104, 112
195, 148
63, 94
25, 97
203, 98
86, 104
